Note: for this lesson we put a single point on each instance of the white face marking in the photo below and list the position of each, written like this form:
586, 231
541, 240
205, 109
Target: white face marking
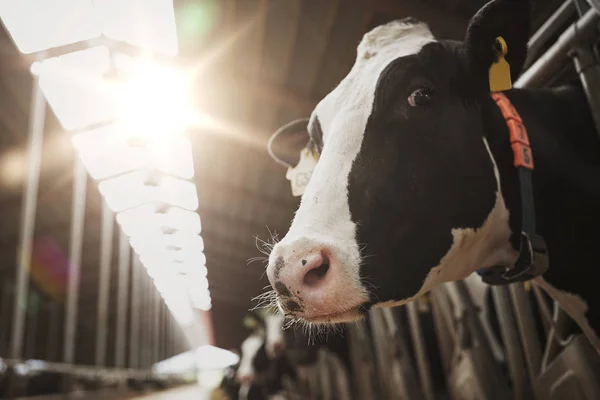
274, 325
323, 217
250, 348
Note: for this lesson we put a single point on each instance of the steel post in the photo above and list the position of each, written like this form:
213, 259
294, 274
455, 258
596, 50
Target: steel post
37, 117
75, 244
123, 287
106, 241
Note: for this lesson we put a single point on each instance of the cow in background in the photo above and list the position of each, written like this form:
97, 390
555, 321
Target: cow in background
415, 183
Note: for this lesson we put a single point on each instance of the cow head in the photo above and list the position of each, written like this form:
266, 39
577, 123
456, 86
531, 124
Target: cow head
406, 193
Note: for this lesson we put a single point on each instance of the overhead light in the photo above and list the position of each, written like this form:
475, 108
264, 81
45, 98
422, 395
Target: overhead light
36, 25
193, 259
74, 86
126, 153
152, 218
152, 242
141, 187
149, 24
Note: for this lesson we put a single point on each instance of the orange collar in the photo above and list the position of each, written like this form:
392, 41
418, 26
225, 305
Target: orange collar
533, 254
519, 140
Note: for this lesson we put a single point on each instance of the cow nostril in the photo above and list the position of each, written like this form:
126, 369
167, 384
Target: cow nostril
313, 276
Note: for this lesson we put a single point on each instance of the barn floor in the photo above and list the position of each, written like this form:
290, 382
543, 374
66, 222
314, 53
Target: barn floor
192, 392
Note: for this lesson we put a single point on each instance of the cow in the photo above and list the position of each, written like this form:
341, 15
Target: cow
415, 183
263, 366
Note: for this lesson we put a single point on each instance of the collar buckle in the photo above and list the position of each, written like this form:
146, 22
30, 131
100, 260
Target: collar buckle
532, 262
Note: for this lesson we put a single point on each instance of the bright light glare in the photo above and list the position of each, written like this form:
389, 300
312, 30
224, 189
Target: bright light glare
155, 100
138, 188
74, 87
145, 23
37, 25
210, 358
143, 219
126, 154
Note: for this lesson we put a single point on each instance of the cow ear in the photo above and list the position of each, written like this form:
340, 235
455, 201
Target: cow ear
285, 145
507, 19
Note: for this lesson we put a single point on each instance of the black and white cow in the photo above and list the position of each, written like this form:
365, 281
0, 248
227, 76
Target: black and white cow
263, 365
415, 184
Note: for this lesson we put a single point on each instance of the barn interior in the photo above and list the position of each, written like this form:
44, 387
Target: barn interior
253, 66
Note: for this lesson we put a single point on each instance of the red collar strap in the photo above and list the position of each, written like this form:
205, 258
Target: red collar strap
533, 255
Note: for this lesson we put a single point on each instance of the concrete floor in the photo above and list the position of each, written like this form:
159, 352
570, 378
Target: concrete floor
192, 392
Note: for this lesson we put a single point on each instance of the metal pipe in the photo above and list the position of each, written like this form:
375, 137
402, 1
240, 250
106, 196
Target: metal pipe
106, 241
548, 28
134, 327
123, 286
37, 118
552, 60
512, 344
527, 331
75, 245
156, 328
53, 332
588, 69
420, 351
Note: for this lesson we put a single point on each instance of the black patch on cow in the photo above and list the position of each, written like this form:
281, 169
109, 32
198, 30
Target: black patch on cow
279, 264
293, 306
316, 133
282, 290
421, 171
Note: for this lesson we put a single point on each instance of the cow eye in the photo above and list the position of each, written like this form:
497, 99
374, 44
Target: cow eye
420, 97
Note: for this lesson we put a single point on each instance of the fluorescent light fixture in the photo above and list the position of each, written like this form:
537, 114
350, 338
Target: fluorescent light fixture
141, 187
126, 153
74, 87
161, 258
152, 242
37, 25
150, 218
210, 358
148, 24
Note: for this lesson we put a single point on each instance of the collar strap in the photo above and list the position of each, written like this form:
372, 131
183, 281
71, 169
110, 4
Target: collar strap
533, 254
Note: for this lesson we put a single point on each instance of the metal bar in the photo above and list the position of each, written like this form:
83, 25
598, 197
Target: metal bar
552, 60
420, 351
143, 311
37, 119
5, 316
75, 245
31, 331
106, 241
548, 29
156, 328
53, 331
527, 331
150, 323
124, 262
588, 69
134, 327
512, 344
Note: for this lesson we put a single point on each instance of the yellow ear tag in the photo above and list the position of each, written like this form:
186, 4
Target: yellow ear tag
500, 71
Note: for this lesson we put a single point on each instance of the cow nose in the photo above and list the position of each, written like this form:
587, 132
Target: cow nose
302, 279
312, 269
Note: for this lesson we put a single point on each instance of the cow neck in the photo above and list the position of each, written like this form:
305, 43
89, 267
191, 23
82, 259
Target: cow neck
532, 253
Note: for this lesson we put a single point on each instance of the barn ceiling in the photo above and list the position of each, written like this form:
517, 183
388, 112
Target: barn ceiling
262, 63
